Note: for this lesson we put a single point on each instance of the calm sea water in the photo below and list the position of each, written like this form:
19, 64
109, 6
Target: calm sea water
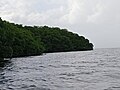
86, 70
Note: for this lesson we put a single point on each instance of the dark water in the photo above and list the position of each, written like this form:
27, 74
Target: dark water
91, 70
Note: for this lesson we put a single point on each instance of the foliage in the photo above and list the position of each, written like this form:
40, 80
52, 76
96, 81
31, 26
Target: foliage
17, 40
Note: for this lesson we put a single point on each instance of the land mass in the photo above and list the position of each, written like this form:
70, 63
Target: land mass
17, 40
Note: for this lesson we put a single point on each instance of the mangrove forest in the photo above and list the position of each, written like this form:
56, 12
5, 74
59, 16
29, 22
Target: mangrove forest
17, 40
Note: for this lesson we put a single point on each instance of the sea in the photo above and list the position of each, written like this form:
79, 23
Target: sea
98, 69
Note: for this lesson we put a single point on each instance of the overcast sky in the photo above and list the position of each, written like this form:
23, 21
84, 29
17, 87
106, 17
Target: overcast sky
97, 20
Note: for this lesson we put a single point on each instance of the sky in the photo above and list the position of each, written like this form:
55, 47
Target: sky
97, 20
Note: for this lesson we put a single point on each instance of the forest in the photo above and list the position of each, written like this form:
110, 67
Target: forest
17, 40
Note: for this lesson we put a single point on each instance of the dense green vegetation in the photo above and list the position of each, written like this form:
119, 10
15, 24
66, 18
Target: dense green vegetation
17, 40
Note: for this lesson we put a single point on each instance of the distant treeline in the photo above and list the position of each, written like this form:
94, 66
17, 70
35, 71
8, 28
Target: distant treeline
17, 40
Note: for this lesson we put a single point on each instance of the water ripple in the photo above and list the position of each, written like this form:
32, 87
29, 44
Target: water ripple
90, 70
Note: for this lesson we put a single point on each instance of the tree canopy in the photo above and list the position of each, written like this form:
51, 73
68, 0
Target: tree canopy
17, 40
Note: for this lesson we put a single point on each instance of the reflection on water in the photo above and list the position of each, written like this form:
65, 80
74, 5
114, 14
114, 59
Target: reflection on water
4, 63
90, 70
3, 66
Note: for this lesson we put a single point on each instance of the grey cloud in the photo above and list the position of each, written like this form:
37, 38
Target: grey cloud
96, 19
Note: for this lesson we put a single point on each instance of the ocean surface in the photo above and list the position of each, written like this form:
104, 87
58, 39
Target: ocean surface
82, 70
